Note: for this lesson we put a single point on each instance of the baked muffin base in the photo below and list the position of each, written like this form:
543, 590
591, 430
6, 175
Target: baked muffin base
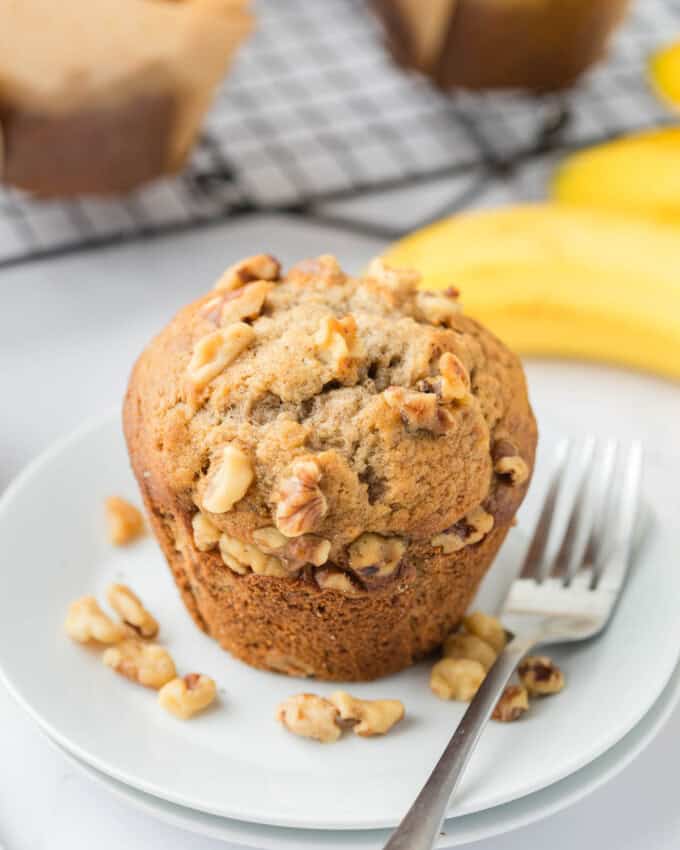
267, 622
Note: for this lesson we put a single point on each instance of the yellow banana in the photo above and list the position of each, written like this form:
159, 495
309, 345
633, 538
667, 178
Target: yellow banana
638, 174
554, 280
664, 72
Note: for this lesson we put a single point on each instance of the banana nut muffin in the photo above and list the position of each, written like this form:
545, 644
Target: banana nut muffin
330, 464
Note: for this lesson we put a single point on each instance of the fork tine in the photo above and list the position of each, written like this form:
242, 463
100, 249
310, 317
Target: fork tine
611, 570
531, 567
576, 533
601, 511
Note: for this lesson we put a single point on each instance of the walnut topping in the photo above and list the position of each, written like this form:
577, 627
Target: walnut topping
457, 678
269, 538
436, 307
486, 628
145, 663
401, 281
375, 558
508, 463
206, 534
243, 557
310, 716
188, 695
132, 612
324, 269
369, 717
337, 344
515, 468
214, 352
308, 549
453, 382
462, 645
301, 505
259, 267
514, 702
471, 529
449, 542
418, 410
228, 482
125, 523
540, 675
245, 303
87, 622
332, 578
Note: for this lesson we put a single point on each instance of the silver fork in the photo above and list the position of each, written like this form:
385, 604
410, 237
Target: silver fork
566, 591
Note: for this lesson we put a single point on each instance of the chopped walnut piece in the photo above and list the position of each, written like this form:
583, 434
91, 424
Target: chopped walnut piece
456, 678
419, 411
125, 522
324, 269
188, 695
259, 267
402, 281
85, 622
453, 382
228, 481
300, 503
145, 663
508, 463
129, 608
269, 538
375, 558
337, 344
487, 628
310, 716
436, 307
514, 468
308, 549
214, 352
449, 542
369, 717
462, 645
206, 534
243, 557
470, 530
540, 675
333, 578
514, 702
245, 303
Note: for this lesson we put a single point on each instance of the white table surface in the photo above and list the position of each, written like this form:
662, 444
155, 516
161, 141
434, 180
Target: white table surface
69, 331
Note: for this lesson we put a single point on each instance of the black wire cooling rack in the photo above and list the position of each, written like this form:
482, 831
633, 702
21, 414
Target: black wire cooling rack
315, 113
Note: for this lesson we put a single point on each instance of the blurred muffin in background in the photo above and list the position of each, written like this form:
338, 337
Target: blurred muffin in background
540, 45
100, 97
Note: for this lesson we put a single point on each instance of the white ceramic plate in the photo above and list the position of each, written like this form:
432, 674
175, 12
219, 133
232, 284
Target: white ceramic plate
235, 760
456, 831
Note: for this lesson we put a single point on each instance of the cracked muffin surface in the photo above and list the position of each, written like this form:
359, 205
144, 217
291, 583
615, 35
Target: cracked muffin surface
330, 463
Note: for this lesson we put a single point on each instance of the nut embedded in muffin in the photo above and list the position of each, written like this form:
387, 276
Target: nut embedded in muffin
315, 452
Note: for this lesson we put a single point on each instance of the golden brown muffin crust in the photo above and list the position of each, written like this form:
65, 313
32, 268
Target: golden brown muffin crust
322, 440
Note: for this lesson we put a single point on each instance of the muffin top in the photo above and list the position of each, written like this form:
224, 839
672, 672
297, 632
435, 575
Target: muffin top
316, 417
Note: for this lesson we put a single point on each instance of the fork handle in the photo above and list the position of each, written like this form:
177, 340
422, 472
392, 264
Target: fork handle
422, 824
